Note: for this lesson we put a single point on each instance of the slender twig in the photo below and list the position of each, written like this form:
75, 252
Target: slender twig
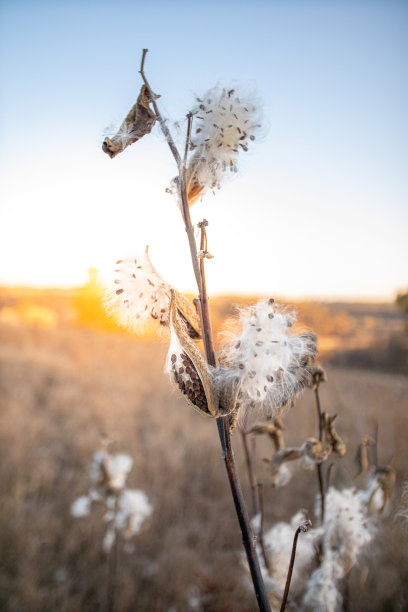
328, 476
302, 528
321, 490
319, 413
319, 465
256, 508
189, 123
222, 423
112, 565
375, 446
261, 529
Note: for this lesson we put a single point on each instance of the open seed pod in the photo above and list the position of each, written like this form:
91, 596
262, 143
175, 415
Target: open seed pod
194, 377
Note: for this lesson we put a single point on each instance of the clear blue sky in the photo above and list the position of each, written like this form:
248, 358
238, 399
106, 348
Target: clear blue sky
320, 207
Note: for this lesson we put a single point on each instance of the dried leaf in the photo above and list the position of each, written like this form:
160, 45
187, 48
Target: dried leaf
139, 122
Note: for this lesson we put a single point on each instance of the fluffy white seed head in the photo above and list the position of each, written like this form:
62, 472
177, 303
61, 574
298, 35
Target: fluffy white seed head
278, 542
224, 123
322, 594
133, 509
110, 471
268, 357
81, 506
138, 292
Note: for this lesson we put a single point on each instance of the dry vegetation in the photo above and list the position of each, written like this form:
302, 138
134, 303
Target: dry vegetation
62, 385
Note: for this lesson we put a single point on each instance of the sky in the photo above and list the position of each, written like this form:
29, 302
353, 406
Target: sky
319, 207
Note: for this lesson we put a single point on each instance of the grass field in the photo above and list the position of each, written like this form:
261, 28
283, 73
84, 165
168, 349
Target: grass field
63, 385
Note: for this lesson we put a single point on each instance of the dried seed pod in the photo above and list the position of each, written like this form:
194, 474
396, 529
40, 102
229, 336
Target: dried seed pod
194, 377
380, 489
316, 451
139, 122
272, 431
317, 375
331, 436
361, 458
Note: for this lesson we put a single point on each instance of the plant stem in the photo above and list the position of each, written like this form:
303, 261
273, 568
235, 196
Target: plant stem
261, 538
222, 422
290, 570
256, 508
112, 566
319, 465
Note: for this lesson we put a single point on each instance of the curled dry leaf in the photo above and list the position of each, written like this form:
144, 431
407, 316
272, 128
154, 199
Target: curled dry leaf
139, 122
194, 377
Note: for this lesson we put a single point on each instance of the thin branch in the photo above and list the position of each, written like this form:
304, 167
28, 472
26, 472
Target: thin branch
256, 507
205, 311
319, 413
302, 528
189, 124
319, 465
321, 490
261, 529
375, 446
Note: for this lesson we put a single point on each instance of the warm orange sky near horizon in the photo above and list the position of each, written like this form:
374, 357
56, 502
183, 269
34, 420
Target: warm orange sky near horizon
319, 207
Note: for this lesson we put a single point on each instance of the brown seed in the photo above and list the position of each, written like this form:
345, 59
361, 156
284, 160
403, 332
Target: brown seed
173, 358
271, 301
241, 366
181, 370
271, 315
252, 374
119, 291
269, 378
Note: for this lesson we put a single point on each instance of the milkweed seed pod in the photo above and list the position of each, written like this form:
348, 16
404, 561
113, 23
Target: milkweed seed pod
268, 358
198, 381
272, 430
380, 487
139, 292
361, 458
139, 122
224, 123
331, 436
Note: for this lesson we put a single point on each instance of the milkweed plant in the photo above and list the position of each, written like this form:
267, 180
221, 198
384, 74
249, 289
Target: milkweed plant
251, 382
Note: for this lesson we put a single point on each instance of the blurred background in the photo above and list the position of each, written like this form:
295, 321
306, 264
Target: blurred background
316, 217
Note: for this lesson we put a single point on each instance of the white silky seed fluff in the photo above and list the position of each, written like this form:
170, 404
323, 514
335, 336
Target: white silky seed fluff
224, 123
138, 292
268, 357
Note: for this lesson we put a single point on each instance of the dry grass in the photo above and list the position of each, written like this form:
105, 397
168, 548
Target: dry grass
61, 387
